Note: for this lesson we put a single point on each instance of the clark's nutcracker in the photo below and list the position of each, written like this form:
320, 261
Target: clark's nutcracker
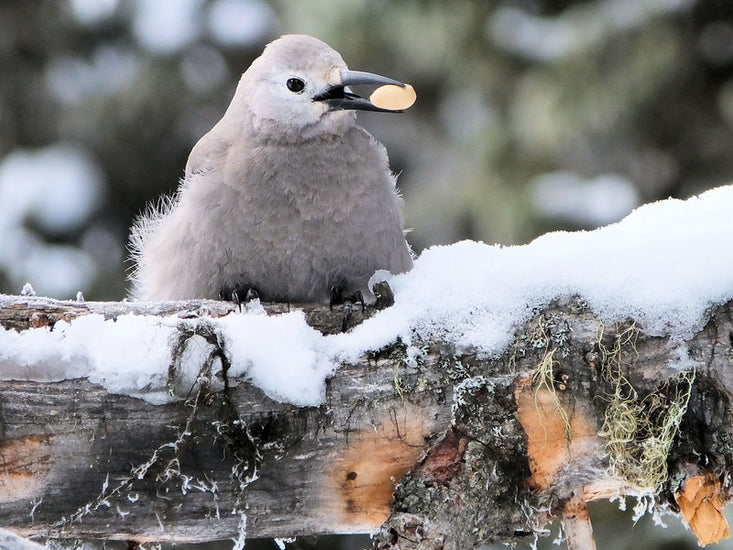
286, 195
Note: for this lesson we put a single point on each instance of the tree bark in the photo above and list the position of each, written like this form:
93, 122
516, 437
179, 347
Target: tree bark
449, 451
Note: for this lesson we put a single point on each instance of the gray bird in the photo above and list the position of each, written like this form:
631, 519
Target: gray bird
286, 195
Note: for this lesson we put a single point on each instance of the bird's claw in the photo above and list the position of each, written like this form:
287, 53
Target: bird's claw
235, 295
337, 296
346, 314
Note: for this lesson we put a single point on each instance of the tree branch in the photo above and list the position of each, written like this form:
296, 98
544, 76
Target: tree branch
448, 451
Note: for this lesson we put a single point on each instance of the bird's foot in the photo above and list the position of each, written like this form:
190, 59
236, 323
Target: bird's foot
337, 296
240, 294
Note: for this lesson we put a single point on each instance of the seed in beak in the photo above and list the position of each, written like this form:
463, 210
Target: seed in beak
394, 98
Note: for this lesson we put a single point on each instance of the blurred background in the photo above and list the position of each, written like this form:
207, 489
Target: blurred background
532, 115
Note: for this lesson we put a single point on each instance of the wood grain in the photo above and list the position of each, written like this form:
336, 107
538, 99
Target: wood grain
423, 452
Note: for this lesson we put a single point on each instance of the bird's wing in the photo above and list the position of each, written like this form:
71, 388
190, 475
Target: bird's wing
208, 150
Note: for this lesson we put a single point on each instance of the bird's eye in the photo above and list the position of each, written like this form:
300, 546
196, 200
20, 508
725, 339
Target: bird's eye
295, 85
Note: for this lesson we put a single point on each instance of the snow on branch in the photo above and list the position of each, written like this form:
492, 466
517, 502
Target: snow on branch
581, 366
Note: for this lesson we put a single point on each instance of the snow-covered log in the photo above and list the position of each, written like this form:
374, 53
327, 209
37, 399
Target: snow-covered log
504, 387
494, 447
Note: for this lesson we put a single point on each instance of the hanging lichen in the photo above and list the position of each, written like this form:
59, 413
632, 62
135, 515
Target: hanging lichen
639, 431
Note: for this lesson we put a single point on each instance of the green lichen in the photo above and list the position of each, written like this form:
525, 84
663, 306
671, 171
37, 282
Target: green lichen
543, 377
639, 431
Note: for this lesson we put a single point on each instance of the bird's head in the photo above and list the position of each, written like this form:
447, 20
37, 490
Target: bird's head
299, 86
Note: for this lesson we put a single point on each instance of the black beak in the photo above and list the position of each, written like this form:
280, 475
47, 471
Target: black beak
339, 99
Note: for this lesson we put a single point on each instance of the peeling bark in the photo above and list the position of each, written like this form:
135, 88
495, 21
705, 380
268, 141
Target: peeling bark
449, 451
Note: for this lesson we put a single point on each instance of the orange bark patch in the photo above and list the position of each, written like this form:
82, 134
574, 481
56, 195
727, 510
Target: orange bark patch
375, 459
25, 465
548, 446
701, 503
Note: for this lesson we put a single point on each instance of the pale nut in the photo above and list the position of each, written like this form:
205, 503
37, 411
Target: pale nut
393, 97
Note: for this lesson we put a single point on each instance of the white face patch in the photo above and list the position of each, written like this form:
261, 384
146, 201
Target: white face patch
273, 98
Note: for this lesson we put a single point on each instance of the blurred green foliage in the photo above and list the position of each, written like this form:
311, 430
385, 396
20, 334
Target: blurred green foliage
507, 91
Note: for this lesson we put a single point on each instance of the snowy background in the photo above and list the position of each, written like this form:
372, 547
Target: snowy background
532, 116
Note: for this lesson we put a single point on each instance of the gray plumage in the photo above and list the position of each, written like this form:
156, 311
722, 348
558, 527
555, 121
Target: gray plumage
285, 194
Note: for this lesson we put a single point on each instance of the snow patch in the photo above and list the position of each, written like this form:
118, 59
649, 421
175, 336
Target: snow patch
281, 355
664, 265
